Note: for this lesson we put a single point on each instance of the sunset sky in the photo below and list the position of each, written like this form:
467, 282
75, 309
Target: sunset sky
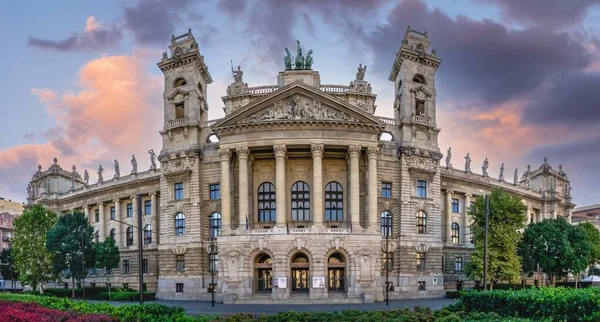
519, 80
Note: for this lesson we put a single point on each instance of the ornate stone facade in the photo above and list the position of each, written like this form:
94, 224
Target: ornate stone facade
292, 185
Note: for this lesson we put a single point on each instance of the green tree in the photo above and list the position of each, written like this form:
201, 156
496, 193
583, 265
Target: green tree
593, 236
70, 241
32, 260
7, 266
107, 258
557, 246
505, 219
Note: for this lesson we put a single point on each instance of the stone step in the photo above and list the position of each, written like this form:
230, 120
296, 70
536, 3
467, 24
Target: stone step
302, 300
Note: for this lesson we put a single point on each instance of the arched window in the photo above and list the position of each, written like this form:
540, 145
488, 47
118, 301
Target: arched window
386, 223
336, 272
334, 202
266, 202
455, 233
179, 224
300, 272
212, 138
263, 267
215, 224
300, 201
386, 136
113, 233
179, 82
421, 222
129, 236
419, 79
148, 235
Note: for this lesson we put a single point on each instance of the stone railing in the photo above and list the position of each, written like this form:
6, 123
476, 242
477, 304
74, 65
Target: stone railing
176, 123
422, 119
261, 231
209, 123
334, 88
262, 89
299, 231
337, 231
416, 34
387, 120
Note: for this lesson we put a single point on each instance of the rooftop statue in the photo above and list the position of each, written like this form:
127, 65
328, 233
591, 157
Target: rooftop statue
360, 74
287, 60
152, 160
448, 155
501, 177
516, 179
237, 74
133, 164
309, 60
484, 168
86, 178
117, 171
299, 57
468, 163
100, 178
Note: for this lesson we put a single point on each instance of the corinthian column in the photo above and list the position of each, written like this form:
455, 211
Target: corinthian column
465, 230
317, 184
449, 216
101, 221
154, 217
242, 155
119, 231
280, 195
86, 212
372, 188
225, 155
354, 153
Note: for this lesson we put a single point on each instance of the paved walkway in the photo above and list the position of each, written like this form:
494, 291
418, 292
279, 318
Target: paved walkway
197, 307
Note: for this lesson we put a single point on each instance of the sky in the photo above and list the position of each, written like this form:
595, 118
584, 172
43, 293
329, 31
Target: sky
519, 80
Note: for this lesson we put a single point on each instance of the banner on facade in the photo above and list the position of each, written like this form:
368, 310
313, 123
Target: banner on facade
318, 282
279, 282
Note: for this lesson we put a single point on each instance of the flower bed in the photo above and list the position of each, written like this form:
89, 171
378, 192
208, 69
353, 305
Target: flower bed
25, 312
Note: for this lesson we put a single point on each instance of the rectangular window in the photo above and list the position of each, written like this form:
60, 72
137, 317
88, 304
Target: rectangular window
455, 205
422, 286
125, 266
421, 188
179, 110
147, 207
179, 287
386, 189
97, 215
420, 107
112, 213
179, 191
180, 263
420, 261
215, 191
129, 210
145, 268
458, 264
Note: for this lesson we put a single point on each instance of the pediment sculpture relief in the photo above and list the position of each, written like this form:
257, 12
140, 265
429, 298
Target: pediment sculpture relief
298, 108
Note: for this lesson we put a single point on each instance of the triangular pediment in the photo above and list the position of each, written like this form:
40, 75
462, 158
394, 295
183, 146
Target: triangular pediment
298, 102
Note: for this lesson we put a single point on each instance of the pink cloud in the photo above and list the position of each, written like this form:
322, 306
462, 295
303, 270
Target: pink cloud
114, 110
91, 24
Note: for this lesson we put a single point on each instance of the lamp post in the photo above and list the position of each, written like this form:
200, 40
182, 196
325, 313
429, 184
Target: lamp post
213, 252
387, 230
485, 242
82, 266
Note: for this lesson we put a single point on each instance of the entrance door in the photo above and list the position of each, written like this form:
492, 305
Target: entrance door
265, 276
300, 279
336, 279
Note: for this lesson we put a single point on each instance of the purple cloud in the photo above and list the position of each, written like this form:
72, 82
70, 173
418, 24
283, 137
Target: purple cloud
152, 22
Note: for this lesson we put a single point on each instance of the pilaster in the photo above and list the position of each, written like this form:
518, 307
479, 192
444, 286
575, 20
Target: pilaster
225, 155
317, 184
354, 153
242, 155
372, 153
280, 190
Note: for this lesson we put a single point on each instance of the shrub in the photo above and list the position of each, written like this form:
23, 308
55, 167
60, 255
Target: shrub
18, 312
452, 294
559, 304
126, 296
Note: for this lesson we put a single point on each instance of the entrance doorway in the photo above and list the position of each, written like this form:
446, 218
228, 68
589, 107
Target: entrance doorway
263, 273
300, 273
336, 273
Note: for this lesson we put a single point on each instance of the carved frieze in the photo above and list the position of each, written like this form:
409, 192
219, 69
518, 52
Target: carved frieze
298, 107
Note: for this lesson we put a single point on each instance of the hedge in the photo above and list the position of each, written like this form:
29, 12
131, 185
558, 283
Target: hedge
559, 304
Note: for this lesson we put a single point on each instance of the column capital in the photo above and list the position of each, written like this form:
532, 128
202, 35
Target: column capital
449, 193
280, 150
225, 154
101, 204
317, 149
134, 197
153, 193
86, 207
242, 152
117, 200
354, 151
372, 151
468, 195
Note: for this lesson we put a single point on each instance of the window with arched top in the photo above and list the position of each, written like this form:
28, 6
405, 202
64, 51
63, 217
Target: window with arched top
212, 138
386, 223
129, 234
264, 259
421, 222
179, 224
300, 258
215, 224
266, 202
336, 272
455, 229
334, 202
419, 79
113, 233
386, 136
336, 258
300, 201
179, 82
148, 235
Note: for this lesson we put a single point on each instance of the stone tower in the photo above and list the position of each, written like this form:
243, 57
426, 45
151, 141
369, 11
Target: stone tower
420, 222
185, 115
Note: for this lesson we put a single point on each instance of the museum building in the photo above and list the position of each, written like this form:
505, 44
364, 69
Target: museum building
300, 194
